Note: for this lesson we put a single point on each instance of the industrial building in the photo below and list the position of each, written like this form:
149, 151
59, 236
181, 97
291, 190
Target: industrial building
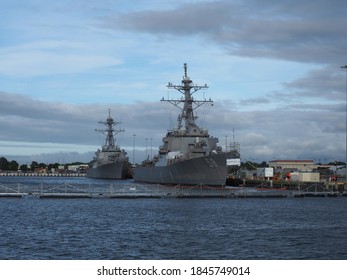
297, 165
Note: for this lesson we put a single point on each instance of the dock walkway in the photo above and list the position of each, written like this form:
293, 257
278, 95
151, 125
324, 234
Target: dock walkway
158, 191
40, 174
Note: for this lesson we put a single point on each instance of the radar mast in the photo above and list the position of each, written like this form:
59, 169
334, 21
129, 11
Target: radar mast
110, 132
187, 88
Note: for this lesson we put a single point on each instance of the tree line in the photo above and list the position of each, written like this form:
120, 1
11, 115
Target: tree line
13, 165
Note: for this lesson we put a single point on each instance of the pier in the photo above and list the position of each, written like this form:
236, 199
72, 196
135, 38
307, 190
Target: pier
133, 190
80, 191
40, 174
262, 191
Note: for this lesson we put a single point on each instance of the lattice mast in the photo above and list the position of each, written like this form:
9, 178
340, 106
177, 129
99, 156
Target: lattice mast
109, 132
187, 88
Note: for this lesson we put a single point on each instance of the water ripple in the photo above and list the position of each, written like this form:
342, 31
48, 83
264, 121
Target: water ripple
310, 228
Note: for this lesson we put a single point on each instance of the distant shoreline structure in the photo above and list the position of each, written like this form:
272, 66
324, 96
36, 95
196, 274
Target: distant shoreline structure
40, 174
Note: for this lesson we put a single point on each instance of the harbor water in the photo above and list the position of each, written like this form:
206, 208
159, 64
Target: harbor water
170, 228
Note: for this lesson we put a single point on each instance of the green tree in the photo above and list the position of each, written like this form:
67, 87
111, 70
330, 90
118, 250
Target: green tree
24, 168
53, 166
4, 164
13, 166
42, 165
33, 165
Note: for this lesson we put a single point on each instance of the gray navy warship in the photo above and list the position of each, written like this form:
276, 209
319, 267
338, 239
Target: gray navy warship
111, 162
188, 156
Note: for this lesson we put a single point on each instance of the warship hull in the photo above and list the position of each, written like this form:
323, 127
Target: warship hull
116, 170
207, 170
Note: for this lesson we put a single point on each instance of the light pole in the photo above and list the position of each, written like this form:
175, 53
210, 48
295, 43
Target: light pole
146, 148
151, 148
345, 67
134, 150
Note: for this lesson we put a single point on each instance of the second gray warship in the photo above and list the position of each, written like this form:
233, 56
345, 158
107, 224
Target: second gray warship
111, 162
188, 156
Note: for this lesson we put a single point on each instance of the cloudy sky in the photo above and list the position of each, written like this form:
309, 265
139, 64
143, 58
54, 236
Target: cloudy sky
273, 69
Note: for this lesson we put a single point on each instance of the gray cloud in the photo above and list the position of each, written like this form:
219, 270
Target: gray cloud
26, 119
263, 135
327, 83
284, 133
255, 101
287, 30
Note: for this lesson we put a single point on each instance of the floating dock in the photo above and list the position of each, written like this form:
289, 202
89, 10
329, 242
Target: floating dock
132, 190
40, 174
